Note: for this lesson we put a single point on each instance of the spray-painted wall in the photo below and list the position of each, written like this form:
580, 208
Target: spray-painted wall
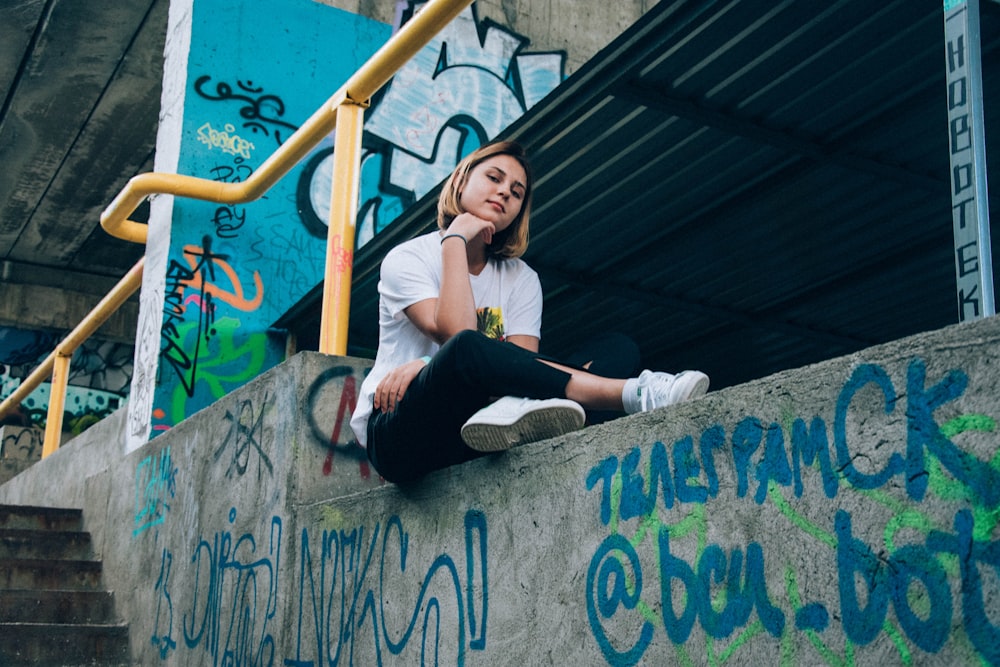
218, 276
98, 381
843, 513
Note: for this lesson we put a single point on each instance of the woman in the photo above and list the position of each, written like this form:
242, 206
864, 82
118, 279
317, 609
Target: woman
459, 324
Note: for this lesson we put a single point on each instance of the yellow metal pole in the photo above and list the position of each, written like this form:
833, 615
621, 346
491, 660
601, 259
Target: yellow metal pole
57, 402
340, 236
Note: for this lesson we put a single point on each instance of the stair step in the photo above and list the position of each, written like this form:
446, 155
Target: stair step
23, 644
43, 574
58, 606
61, 545
40, 518
53, 609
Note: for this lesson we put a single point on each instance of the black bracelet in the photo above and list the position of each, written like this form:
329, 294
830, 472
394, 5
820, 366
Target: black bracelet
457, 236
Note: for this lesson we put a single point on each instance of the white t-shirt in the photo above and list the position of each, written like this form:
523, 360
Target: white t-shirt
507, 294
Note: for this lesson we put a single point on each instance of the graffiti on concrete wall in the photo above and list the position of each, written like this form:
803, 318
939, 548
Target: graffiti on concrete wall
234, 587
233, 270
351, 591
99, 376
897, 534
819, 540
22, 443
230, 582
469, 83
155, 486
344, 581
236, 584
243, 447
336, 386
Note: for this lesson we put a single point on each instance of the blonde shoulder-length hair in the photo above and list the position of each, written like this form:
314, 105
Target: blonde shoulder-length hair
511, 242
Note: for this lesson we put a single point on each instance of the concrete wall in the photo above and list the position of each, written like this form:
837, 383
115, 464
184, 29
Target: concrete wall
578, 29
20, 448
840, 513
60, 308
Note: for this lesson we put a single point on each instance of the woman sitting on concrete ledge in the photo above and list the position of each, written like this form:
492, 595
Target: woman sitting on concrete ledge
459, 324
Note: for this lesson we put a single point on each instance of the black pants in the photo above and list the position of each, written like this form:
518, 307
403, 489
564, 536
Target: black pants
469, 371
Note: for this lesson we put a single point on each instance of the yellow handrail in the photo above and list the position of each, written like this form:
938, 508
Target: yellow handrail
358, 90
57, 363
343, 112
340, 246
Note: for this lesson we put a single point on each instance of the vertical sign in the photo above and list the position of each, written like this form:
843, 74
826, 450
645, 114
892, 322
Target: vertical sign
966, 137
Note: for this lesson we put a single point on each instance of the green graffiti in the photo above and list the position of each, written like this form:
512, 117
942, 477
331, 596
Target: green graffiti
230, 359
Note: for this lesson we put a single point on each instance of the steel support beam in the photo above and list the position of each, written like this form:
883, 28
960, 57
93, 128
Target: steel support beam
966, 138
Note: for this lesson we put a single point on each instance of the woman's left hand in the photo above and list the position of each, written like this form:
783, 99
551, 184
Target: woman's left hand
390, 390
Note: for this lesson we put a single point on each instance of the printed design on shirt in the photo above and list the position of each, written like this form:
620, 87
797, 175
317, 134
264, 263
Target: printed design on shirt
489, 321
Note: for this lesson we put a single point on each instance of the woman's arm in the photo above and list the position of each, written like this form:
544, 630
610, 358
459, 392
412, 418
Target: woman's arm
455, 308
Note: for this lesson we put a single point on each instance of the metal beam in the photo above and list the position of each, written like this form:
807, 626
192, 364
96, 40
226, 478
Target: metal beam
654, 98
967, 141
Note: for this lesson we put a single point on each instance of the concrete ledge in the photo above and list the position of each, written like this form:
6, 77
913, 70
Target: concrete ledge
843, 512
59, 480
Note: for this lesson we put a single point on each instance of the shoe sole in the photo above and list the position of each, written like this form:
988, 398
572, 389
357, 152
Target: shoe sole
687, 386
532, 426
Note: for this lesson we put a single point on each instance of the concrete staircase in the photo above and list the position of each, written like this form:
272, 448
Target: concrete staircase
53, 609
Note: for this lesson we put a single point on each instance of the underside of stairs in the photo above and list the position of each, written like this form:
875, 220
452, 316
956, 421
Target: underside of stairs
54, 609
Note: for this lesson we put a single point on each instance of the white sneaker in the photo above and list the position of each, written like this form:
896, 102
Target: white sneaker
513, 421
659, 389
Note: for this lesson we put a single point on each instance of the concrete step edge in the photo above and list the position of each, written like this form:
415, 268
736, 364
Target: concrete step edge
57, 606
46, 518
117, 627
45, 544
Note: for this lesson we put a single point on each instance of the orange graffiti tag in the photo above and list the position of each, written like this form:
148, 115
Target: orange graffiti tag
234, 298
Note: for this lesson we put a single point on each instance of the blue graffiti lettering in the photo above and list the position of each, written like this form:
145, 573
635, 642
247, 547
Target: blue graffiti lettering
155, 480
809, 446
607, 590
923, 432
241, 591
863, 375
985, 635
906, 587
349, 566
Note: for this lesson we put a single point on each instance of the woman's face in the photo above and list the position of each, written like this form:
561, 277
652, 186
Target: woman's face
494, 190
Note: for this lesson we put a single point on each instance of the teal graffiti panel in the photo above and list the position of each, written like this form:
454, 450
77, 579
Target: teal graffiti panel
255, 73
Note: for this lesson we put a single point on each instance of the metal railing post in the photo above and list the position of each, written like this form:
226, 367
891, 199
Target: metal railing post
970, 204
340, 236
57, 402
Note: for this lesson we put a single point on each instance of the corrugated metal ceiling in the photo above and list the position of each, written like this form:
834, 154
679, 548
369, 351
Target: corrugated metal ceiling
744, 187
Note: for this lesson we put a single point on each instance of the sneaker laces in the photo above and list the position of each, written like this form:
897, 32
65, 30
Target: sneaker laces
654, 389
